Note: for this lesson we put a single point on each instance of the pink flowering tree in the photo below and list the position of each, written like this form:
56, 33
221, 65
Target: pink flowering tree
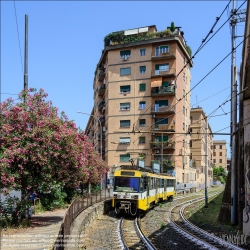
38, 147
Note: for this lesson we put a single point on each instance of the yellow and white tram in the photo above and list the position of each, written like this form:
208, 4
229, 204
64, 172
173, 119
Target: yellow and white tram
138, 190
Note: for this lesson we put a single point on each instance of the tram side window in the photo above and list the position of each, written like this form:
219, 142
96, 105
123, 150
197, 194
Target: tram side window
170, 183
162, 183
151, 183
142, 185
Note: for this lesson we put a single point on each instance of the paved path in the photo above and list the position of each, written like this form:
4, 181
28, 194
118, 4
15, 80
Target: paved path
40, 236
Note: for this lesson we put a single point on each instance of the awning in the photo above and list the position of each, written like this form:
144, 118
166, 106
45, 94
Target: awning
156, 82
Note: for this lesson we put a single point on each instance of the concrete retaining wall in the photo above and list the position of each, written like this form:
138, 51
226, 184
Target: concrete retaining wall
83, 220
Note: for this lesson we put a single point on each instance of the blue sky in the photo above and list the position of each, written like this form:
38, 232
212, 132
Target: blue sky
66, 40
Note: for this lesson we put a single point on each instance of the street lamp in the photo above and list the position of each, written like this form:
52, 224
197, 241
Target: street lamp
100, 133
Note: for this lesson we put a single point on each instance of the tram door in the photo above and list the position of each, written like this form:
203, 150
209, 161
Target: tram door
148, 188
165, 187
156, 189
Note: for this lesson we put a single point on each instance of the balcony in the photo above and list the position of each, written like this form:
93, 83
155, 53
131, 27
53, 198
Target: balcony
102, 120
101, 90
161, 56
101, 105
168, 162
166, 145
163, 91
164, 127
101, 74
99, 136
169, 72
162, 109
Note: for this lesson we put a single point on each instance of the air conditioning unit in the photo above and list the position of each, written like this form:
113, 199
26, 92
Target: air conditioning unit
104, 129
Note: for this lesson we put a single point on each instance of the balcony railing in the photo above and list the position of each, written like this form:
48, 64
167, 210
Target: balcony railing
101, 105
101, 74
162, 91
102, 120
168, 162
163, 109
159, 56
165, 127
99, 136
169, 72
165, 144
101, 89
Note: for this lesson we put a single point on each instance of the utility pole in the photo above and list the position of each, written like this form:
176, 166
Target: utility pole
25, 87
233, 120
206, 166
235, 18
161, 152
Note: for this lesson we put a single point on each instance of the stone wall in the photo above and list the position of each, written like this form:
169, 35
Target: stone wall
83, 220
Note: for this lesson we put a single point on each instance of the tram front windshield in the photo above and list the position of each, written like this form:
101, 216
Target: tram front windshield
126, 184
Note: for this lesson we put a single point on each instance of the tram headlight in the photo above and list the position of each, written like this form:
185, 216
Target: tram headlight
135, 197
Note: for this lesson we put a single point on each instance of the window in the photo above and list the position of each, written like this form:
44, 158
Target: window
183, 110
124, 140
142, 105
214, 146
183, 93
142, 140
184, 77
124, 89
161, 49
186, 112
124, 123
164, 84
220, 146
125, 54
191, 144
142, 69
142, 86
220, 160
220, 153
142, 122
125, 106
214, 161
214, 153
162, 121
191, 119
159, 139
161, 67
124, 158
142, 52
183, 126
161, 103
125, 71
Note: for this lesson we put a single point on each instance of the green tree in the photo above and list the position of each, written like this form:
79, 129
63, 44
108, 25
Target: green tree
219, 174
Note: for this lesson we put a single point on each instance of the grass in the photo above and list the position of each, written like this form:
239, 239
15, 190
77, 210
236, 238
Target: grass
208, 217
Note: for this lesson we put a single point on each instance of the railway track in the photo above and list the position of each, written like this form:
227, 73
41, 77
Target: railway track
131, 235
195, 234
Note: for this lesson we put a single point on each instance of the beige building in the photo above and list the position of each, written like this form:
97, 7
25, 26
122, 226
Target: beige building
141, 96
220, 154
198, 147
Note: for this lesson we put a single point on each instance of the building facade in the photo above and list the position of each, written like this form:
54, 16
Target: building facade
141, 97
198, 147
220, 154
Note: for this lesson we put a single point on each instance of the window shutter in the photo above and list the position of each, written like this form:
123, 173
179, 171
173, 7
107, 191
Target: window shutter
142, 86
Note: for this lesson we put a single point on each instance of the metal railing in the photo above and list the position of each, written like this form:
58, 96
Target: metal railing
163, 109
76, 207
161, 72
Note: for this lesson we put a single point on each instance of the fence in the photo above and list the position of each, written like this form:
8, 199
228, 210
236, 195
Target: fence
75, 208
